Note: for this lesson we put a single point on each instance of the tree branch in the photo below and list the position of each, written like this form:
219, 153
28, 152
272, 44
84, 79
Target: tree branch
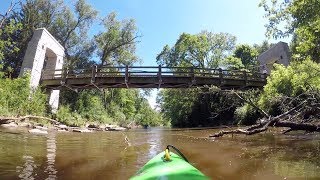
272, 121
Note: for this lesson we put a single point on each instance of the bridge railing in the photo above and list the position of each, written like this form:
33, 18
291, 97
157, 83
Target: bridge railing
151, 71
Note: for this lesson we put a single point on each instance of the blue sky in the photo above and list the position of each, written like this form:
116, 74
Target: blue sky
161, 22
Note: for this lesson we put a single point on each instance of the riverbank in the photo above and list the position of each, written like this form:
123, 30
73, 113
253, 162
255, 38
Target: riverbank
42, 125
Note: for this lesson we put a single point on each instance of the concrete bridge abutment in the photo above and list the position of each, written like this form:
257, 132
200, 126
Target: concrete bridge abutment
44, 52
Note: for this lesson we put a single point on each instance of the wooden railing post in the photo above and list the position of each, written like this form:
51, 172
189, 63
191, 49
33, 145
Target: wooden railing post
193, 80
94, 73
245, 77
126, 76
220, 76
264, 77
64, 76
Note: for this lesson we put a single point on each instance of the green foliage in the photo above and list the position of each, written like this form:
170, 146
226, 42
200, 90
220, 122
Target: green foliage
177, 104
17, 99
121, 106
246, 54
246, 115
69, 25
117, 44
205, 49
298, 18
64, 115
7, 44
146, 116
264, 46
233, 63
291, 81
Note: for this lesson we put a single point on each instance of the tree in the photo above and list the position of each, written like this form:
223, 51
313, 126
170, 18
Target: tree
7, 28
298, 18
68, 27
205, 50
247, 54
290, 99
264, 46
176, 105
117, 44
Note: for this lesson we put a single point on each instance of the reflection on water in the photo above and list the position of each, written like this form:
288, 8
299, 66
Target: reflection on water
51, 155
154, 141
26, 171
108, 155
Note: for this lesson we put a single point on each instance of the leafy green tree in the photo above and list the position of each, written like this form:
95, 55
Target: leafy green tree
247, 54
117, 43
146, 116
233, 63
177, 104
7, 45
291, 81
298, 18
264, 46
69, 27
206, 50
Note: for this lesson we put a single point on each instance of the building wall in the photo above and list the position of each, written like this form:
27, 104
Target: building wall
43, 46
279, 53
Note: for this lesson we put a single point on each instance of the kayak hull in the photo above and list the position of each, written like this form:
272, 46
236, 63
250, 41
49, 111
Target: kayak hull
176, 168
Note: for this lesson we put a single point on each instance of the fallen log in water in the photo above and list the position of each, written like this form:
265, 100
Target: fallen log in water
4, 120
278, 121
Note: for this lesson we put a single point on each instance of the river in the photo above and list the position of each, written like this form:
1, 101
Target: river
107, 155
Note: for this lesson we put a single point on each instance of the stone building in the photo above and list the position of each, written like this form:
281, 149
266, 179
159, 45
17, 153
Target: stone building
44, 52
279, 53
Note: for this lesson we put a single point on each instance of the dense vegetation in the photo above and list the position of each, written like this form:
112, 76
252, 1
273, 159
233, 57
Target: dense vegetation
286, 86
116, 45
16, 99
207, 106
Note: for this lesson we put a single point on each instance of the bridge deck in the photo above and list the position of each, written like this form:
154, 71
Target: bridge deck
151, 77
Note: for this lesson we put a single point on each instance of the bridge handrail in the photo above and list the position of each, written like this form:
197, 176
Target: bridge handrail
127, 71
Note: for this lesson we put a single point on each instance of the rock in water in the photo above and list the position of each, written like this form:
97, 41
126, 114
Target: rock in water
62, 126
41, 128
117, 129
37, 131
10, 125
81, 130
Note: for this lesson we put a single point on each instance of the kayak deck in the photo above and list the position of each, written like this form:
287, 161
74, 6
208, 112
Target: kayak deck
176, 168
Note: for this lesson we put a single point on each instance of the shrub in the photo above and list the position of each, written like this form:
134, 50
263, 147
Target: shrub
291, 81
246, 115
18, 99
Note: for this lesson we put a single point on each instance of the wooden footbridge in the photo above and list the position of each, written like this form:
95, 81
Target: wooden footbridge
150, 77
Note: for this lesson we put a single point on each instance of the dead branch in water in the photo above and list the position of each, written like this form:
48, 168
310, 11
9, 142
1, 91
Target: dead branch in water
278, 121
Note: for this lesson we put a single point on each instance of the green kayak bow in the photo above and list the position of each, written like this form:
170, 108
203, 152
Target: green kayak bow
168, 165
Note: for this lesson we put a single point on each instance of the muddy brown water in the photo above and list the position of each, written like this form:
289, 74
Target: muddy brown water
106, 155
